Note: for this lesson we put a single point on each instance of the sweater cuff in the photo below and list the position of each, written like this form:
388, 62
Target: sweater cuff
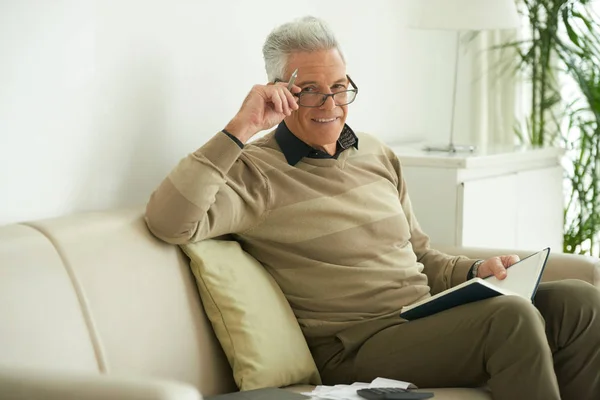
236, 140
221, 151
461, 270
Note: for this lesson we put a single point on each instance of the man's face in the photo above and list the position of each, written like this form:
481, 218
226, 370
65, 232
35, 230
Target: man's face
324, 72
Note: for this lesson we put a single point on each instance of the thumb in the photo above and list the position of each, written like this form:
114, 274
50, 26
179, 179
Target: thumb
493, 266
498, 268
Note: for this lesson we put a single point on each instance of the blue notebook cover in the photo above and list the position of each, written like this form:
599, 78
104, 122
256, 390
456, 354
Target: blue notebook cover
464, 295
524, 282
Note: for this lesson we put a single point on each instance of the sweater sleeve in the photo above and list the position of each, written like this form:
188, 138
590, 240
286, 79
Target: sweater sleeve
443, 271
214, 191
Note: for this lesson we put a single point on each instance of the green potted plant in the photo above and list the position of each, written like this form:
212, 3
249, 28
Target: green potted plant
561, 53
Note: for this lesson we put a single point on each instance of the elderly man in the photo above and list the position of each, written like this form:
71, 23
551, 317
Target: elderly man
327, 212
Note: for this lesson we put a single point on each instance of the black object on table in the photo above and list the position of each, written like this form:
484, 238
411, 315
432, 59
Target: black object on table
392, 394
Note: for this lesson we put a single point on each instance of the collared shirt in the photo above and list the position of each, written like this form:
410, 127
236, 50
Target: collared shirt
295, 149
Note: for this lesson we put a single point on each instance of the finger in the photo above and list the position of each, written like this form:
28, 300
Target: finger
291, 100
276, 100
284, 102
291, 91
281, 84
509, 260
295, 89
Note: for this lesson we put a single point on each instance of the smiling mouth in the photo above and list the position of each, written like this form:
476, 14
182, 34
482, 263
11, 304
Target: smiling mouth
324, 120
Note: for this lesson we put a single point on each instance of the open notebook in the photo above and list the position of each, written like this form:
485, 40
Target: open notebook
522, 280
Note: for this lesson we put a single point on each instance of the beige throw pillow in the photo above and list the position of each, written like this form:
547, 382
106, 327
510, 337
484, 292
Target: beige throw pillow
251, 317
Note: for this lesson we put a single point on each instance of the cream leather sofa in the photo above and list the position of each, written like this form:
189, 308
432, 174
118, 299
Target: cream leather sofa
94, 307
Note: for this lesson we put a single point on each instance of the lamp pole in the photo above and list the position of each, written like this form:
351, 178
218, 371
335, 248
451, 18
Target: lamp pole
451, 147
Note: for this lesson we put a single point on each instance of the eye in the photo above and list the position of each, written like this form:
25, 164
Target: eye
338, 87
309, 89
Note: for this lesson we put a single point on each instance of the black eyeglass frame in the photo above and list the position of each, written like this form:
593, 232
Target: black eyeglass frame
326, 95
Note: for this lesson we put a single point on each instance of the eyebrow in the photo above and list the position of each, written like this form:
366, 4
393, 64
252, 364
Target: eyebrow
341, 80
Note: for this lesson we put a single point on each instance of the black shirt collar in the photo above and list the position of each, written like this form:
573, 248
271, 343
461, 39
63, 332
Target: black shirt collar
295, 149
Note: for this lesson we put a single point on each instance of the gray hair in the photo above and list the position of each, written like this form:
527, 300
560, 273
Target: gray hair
305, 34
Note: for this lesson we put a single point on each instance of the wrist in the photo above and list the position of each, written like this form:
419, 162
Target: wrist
239, 130
474, 272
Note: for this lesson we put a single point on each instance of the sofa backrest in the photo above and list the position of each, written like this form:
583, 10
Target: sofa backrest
97, 292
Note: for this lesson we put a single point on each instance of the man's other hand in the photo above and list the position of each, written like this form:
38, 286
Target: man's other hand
263, 108
496, 266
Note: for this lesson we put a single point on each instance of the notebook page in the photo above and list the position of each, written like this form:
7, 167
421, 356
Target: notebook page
522, 278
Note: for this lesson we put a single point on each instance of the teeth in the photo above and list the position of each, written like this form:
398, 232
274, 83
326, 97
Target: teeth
324, 120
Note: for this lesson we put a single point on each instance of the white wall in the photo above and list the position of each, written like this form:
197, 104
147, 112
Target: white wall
99, 99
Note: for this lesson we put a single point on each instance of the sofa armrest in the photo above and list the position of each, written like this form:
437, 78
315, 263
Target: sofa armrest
21, 384
560, 265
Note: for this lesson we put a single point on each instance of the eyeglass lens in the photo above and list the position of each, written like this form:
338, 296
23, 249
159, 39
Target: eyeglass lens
318, 99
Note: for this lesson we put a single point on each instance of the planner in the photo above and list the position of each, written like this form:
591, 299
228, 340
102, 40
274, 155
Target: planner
522, 279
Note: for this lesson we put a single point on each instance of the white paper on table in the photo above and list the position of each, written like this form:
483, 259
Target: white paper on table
338, 392
391, 383
348, 392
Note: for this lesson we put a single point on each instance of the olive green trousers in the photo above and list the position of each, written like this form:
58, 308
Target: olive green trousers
547, 350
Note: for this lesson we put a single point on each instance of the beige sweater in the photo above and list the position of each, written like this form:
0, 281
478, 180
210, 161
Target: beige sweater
339, 236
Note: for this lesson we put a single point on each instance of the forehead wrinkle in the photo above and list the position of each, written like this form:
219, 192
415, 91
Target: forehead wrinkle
341, 80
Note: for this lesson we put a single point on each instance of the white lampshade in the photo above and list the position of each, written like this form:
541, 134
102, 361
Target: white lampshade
464, 14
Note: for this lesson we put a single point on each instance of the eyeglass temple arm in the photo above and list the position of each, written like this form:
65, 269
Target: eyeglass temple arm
352, 82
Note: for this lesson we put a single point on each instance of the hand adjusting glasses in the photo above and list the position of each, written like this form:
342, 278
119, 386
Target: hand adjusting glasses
315, 99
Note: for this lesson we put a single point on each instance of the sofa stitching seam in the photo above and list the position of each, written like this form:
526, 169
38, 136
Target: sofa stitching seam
83, 304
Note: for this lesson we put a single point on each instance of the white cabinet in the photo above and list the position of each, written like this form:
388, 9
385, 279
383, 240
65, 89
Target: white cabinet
491, 198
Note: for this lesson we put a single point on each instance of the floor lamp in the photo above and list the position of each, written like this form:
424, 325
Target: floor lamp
462, 15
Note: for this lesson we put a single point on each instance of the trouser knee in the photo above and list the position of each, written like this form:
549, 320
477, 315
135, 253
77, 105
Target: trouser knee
516, 319
568, 307
569, 293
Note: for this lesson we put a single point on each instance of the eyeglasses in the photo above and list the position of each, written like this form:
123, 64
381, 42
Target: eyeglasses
314, 99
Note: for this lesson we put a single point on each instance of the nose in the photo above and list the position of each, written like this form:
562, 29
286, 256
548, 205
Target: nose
329, 104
